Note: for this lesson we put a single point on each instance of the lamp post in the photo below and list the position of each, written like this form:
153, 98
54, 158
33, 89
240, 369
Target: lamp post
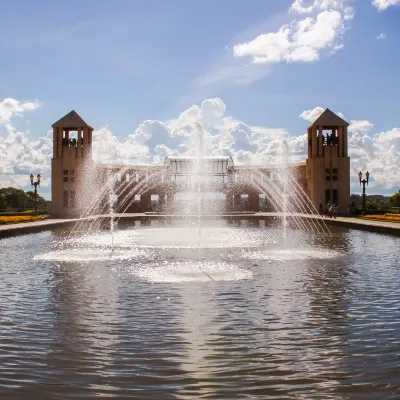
35, 185
363, 182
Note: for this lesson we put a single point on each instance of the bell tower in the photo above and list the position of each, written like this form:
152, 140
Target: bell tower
328, 163
72, 156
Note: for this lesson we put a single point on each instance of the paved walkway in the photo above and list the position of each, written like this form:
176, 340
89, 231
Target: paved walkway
27, 227
349, 222
358, 223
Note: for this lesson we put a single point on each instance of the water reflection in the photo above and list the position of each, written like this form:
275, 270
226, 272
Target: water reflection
313, 316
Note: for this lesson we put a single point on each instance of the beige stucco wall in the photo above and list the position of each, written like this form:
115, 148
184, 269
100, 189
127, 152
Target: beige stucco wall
317, 167
81, 167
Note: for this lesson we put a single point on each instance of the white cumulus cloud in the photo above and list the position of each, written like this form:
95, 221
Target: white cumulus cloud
153, 140
382, 5
223, 135
360, 126
10, 107
309, 6
302, 40
312, 115
315, 113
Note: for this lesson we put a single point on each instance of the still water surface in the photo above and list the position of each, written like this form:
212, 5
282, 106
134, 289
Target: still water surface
166, 314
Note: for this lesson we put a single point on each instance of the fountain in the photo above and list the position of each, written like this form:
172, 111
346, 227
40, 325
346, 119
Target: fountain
191, 302
195, 176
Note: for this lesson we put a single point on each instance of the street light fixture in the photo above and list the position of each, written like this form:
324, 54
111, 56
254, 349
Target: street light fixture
363, 182
35, 185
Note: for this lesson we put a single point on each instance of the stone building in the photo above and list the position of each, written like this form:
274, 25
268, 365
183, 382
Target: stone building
79, 185
328, 163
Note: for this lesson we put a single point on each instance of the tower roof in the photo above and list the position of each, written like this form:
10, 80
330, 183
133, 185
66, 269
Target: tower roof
329, 119
71, 120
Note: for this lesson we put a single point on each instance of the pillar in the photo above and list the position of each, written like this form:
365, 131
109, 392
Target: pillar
340, 139
268, 206
79, 148
320, 142
59, 142
83, 140
237, 201
229, 202
254, 202
345, 144
145, 202
85, 134
169, 202
161, 202
90, 140
55, 142
314, 141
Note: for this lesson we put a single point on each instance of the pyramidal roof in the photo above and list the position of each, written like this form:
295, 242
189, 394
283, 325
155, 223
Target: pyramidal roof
329, 119
71, 120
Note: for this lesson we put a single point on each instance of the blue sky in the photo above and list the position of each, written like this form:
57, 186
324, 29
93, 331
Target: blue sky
121, 63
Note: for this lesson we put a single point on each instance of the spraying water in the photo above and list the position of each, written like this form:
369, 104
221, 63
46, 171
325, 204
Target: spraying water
112, 200
284, 153
200, 133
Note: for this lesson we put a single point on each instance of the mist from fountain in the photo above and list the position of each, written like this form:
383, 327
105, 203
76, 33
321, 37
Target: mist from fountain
104, 210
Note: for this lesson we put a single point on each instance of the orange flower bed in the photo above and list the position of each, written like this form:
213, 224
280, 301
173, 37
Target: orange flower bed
19, 219
386, 217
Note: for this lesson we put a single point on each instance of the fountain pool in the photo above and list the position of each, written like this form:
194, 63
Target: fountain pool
244, 311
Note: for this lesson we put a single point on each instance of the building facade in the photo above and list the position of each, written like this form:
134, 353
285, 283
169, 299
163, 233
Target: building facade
328, 163
80, 186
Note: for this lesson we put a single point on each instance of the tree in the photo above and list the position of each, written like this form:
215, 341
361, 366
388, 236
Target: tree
12, 199
373, 205
395, 200
3, 202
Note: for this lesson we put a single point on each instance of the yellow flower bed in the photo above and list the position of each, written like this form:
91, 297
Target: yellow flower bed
19, 219
386, 217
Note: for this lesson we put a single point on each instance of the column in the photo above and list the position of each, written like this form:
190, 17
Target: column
79, 150
55, 142
320, 141
89, 139
229, 202
345, 143
340, 138
85, 141
170, 202
59, 142
161, 202
335, 153
327, 157
314, 141
145, 202
254, 203
237, 202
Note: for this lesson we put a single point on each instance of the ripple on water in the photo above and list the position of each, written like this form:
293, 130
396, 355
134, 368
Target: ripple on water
178, 238
291, 254
191, 272
324, 323
85, 255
